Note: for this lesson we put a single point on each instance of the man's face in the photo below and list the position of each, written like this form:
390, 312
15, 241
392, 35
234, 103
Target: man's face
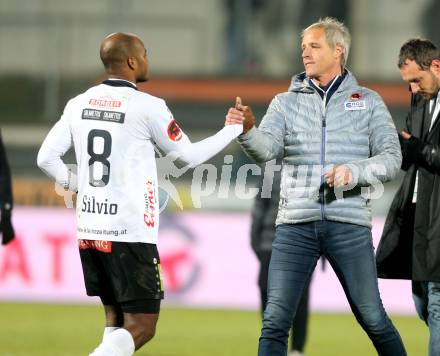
318, 57
424, 82
142, 63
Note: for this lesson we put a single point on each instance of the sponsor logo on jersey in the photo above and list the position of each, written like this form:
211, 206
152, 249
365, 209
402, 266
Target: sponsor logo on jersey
174, 131
104, 103
103, 115
92, 206
150, 204
103, 246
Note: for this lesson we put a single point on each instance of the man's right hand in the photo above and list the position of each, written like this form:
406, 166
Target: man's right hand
405, 135
240, 114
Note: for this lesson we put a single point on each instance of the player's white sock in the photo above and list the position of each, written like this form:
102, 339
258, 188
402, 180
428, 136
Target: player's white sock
117, 343
108, 330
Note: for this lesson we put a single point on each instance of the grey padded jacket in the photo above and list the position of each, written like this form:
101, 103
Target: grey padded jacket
354, 128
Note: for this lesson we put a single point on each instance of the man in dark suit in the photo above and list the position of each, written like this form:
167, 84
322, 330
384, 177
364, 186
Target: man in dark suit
410, 244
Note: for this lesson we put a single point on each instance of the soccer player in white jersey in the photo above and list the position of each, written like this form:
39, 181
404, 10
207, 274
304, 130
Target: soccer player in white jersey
113, 128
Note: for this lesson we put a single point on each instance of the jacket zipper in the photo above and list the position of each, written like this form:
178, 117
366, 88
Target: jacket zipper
323, 128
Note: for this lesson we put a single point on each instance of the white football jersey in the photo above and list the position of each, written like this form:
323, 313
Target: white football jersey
113, 128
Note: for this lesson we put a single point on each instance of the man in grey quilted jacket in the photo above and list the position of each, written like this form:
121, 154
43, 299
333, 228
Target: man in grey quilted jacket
337, 139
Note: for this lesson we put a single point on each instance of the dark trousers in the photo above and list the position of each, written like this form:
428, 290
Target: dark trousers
349, 250
300, 321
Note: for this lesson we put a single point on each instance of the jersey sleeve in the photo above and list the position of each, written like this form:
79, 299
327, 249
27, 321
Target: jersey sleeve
56, 144
171, 139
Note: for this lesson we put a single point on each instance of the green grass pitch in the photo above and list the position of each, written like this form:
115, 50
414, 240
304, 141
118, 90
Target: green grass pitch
74, 330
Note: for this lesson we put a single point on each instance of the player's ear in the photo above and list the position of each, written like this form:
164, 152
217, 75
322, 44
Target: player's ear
435, 67
339, 51
131, 62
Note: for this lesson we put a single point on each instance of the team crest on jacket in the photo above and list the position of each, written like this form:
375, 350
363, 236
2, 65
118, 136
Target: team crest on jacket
174, 131
355, 97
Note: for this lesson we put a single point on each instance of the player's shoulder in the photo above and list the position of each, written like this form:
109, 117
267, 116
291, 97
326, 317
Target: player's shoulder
145, 99
79, 98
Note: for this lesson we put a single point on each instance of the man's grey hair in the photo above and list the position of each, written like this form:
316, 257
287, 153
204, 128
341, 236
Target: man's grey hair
336, 34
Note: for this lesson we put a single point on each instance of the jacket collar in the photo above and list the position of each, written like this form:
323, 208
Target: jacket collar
301, 83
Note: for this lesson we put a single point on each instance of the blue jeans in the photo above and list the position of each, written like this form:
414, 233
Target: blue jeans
426, 297
349, 249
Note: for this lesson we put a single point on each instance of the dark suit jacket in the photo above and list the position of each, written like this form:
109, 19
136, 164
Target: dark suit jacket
406, 252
